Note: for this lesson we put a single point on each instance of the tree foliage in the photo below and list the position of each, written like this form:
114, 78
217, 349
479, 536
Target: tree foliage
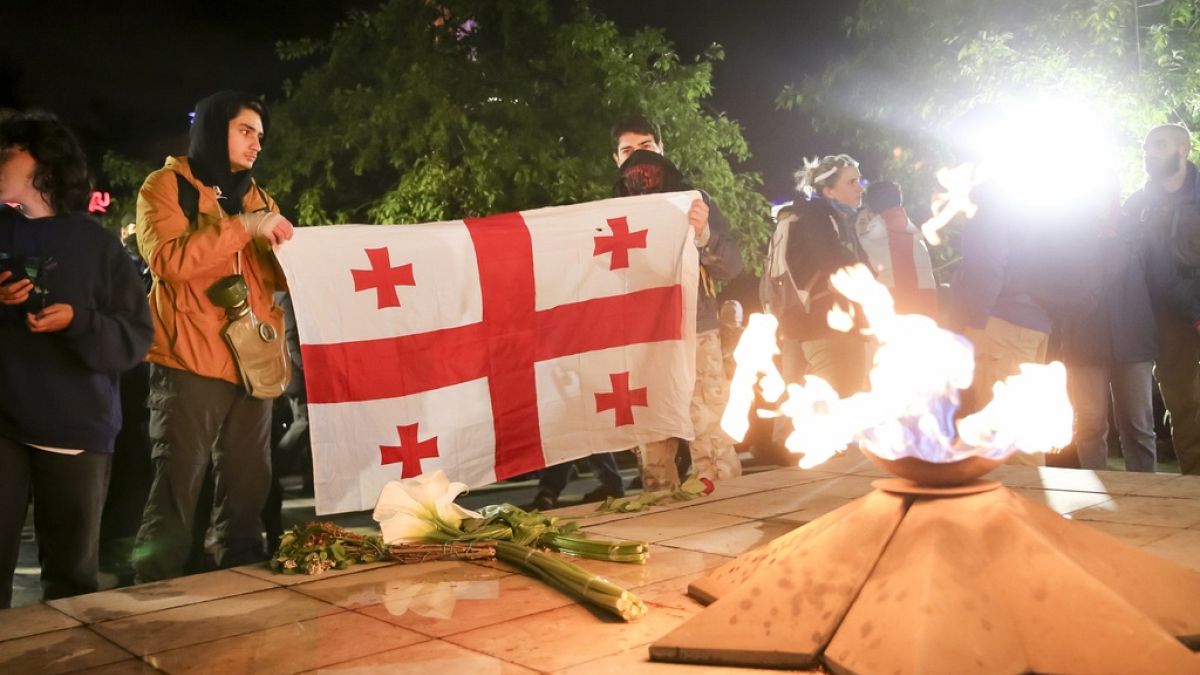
921, 64
123, 177
426, 111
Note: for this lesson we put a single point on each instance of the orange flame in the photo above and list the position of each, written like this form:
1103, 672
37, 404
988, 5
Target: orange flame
918, 370
1027, 411
755, 359
958, 183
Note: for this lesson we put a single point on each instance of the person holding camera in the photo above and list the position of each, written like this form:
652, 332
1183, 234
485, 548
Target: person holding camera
73, 317
206, 229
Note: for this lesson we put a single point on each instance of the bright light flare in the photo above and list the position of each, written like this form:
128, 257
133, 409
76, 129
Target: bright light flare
1015, 151
1022, 150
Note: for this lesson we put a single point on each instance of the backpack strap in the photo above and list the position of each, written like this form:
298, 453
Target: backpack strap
263, 196
189, 198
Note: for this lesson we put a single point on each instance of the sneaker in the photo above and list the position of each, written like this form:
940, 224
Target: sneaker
544, 501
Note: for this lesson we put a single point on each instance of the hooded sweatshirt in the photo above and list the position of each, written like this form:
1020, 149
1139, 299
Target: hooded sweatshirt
186, 258
647, 172
61, 389
208, 151
900, 259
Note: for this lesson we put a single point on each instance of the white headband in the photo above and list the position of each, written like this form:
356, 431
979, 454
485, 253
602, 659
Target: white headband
809, 165
825, 175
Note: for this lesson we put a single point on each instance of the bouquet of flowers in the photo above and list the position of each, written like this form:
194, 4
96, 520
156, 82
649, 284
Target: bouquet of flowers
316, 547
423, 509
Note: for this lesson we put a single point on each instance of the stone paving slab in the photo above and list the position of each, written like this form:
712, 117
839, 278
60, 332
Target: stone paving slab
483, 617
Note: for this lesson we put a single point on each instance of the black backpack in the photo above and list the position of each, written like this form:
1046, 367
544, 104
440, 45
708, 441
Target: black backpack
189, 198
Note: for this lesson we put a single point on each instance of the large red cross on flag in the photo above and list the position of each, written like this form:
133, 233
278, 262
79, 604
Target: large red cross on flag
493, 346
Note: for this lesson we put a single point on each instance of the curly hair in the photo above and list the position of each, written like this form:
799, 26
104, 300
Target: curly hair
62, 174
820, 173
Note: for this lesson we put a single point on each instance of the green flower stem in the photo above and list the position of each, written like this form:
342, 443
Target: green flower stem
616, 551
573, 580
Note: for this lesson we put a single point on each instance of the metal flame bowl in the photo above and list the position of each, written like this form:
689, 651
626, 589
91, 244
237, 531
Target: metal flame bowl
923, 472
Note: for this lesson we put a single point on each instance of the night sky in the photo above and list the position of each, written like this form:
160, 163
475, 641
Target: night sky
125, 74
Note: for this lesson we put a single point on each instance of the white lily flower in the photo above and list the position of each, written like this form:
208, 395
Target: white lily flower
410, 510
401, 527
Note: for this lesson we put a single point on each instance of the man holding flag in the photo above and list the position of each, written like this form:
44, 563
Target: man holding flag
638, 151
491, 347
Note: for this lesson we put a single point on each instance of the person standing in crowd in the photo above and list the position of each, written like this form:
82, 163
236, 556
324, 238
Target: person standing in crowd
1167, 209
1023, 267
898, 254
132, 471
199, 408
822, 240
73, 317
1109, 351
638, 152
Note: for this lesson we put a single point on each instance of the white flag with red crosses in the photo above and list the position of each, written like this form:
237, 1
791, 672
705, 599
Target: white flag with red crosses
491, 347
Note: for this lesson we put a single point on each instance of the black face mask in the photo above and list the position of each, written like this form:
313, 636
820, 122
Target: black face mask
646, 172
1164, 167
643, 179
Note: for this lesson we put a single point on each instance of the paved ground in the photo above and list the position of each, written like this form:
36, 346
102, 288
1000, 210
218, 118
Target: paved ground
474, 617
298, 508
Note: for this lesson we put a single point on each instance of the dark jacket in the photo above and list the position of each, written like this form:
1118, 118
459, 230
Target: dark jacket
1021, 268
1134, 269
1172, 221
720, 257
61, 389
820, 242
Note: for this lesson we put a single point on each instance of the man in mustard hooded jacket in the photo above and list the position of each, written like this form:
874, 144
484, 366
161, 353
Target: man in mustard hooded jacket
201, 218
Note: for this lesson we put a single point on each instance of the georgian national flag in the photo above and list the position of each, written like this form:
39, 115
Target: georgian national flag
491, 347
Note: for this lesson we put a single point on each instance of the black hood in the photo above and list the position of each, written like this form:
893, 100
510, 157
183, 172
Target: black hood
646, 172
208, 152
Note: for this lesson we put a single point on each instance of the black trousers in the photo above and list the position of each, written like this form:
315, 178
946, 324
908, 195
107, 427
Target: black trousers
68, 498
195, 420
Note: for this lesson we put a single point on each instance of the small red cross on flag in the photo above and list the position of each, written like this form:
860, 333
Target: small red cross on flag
383, 278
621, 398
410, 452
509, 354
619, 243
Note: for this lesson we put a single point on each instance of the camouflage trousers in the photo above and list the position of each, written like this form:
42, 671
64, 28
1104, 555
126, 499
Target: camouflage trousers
713, 455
